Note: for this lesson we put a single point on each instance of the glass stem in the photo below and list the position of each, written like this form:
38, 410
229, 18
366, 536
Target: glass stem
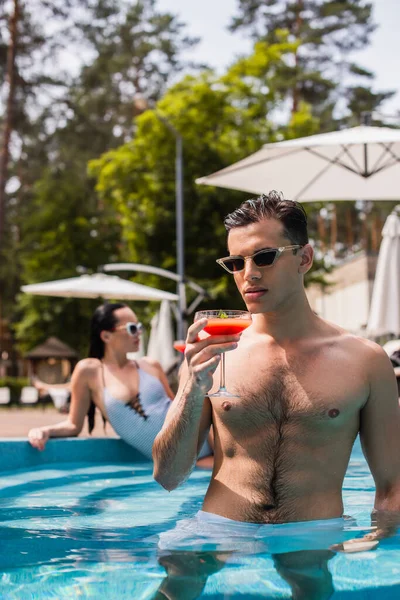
222, 373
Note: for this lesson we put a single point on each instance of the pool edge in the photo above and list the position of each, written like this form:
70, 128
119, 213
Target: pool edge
17, 453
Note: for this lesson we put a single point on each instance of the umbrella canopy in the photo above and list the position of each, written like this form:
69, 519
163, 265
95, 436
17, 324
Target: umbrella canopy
384, 317
162, 337
98, 285
360, 163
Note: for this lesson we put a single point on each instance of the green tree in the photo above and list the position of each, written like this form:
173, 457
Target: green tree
28, 48
221, 120
61, 222
327, 32
72, 233
363, 103
136, 53
27, 51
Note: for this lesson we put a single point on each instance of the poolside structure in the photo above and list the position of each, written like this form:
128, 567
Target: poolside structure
347, 300
53, 361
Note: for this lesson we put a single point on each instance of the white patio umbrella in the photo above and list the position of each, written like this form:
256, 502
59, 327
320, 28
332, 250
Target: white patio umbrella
161, 340
384, 317
98, 285
360, 163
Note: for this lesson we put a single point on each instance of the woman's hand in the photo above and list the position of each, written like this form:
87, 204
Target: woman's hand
38, 438
203, 355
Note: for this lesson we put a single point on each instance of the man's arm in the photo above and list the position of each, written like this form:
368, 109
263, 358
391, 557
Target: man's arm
188, 420
380, 439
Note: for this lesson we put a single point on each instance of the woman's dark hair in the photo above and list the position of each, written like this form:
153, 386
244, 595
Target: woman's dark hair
103, 320
272, 206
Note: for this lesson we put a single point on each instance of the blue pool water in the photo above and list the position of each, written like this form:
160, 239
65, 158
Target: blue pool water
85, 530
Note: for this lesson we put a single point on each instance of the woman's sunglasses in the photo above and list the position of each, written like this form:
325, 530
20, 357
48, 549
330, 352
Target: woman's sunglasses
262, 258
131, 328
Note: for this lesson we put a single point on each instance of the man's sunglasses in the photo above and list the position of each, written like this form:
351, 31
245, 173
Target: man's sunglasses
131, 328
262, 258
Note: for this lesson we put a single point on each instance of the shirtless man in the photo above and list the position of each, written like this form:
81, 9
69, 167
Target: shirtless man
306, 389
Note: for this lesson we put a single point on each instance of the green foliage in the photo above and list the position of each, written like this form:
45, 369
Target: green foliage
122, 207
55, 219
363, 101
326, 33
302, 123
137, 52
221, 119
64, 230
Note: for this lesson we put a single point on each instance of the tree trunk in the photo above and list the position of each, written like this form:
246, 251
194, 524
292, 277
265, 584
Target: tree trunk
8, 120
349, 229
321, 231
7, 129
334, 229
376, 234
297, 27
365, 234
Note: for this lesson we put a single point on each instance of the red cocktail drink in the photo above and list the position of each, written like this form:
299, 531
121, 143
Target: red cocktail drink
223, 322
226, 326
180, 346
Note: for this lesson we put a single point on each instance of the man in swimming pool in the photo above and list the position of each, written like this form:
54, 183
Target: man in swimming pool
305, 389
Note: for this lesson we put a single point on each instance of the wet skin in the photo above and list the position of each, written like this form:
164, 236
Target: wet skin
282, 447
305, 389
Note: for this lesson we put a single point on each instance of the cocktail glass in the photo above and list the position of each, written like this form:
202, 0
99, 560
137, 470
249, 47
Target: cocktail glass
224, 322
180, 345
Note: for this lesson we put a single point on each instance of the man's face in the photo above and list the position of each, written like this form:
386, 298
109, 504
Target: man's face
265, 289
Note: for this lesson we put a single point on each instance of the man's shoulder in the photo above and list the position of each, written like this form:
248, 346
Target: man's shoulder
360, 347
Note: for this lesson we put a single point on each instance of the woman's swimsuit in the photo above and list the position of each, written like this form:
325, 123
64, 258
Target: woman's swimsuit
138, 422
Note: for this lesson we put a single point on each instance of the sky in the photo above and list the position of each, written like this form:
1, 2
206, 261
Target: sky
208, 19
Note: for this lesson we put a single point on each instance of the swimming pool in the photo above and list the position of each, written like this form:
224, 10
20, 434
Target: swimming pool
89, 529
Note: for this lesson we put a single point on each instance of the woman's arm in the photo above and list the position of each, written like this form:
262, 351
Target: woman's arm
42, 386
80, 402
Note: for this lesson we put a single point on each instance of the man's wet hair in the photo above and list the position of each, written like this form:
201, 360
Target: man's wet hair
272, 206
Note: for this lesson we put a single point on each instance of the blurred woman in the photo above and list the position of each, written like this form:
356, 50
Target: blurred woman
133, 396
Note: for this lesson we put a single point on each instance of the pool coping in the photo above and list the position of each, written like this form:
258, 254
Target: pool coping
17, 453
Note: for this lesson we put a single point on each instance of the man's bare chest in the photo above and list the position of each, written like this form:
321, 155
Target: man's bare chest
307, 393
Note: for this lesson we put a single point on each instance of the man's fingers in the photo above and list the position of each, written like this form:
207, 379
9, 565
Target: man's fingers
208, 365
356, 545
215, 341
196, 357
194, 330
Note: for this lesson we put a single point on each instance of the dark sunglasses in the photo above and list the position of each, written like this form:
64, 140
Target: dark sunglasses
131, 328
262, 258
